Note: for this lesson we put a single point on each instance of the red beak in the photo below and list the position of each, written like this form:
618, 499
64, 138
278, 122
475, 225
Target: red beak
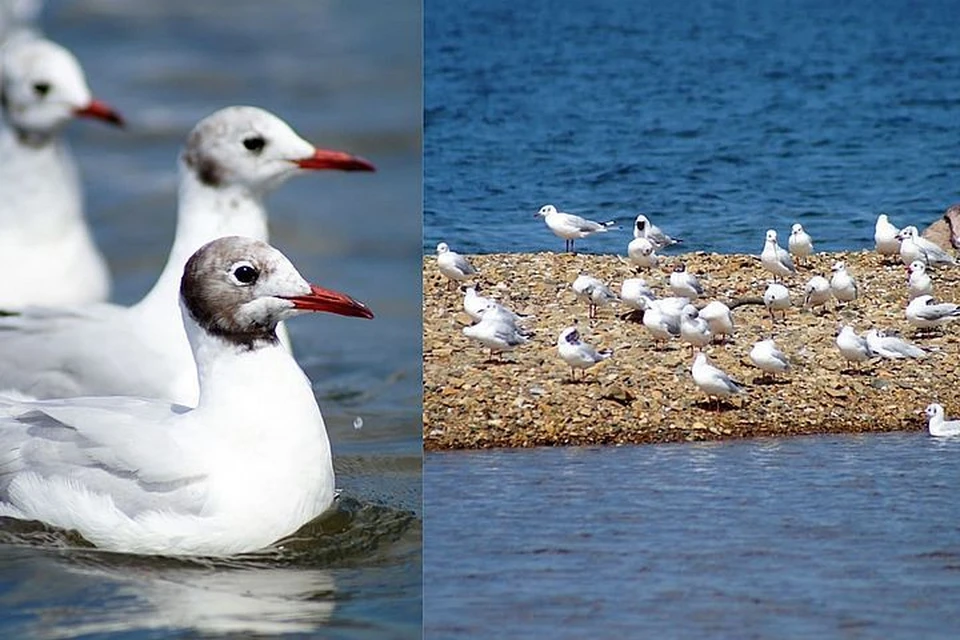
101, 111
325, 159
320, 299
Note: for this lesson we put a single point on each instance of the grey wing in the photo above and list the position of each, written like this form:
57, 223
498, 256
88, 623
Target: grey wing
582, 224
937, 311
463, 265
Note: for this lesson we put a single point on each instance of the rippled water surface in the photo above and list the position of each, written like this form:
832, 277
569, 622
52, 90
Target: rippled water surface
717, 119
818, 537
346, 75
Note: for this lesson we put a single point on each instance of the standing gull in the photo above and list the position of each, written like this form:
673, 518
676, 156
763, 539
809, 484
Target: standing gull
719, 317
775, 258
816, 293
852, 347
842, 284
800, 243
711, 380
776, 298
684, 284
924, 312
642, 253
694, 330
453, 265
913, 247
570, 227
497, 332
768, 358
631, 292
577, 353
918, 282
886, 237
643, 228
594, 292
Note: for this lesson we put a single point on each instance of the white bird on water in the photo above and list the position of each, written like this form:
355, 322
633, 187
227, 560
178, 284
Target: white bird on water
937, 425
711, 380
775, 258
918, 282
719, 317
776, 298
453, 265
250, 465
232, 160
684, 284
924, 312
816, 293
885, 237
571, 227
842, 284
643, 228
800, 243
47, 251
768, 358
594, 292
577, 353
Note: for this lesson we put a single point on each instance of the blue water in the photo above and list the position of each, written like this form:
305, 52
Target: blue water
818, 537
346, 75
716, 119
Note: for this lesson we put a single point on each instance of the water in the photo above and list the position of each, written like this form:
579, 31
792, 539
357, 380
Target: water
717, 119
828, 536
346, 75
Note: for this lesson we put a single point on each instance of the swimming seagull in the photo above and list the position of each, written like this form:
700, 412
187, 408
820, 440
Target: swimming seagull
852, 347
47, 251
642, 253
776, 298
719, 317
577, 353
842, 284
643, 228
938, 426
684, 284
453, 265
885, 237
250, 465
712, 381
571, 227
800, 243
231, 161
891, 346
816, 293
594, 292
768, 358
775, 258
924, 312
918, 282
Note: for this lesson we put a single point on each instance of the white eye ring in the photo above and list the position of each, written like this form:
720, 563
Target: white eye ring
243, 273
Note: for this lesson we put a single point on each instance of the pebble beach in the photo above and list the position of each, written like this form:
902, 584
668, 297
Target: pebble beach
646, 394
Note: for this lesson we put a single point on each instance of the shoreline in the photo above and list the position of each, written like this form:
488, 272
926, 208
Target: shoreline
645, 396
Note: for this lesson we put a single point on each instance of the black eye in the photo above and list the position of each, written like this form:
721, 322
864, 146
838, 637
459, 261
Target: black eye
245, 274
41, 88
255, 144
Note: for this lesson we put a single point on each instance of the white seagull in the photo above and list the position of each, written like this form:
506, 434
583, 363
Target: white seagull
248, 466
800, 243
631, 292
711, 380
885, 237
775, 258
842, 284
642, 253
853, 347
643, 228
594, 292
46, 248
497, 332
694, 330
719, 317
914, 247
816, 293
577, 353
924, 312
684, 284
918, 282
662, 318
570, 227
232, 160
453, 265
768, 358
892, 347
938, 426
776, 298
476, 306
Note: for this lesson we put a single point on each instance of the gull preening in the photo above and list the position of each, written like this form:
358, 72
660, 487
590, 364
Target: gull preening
816, 293
775, 258
712, 381
842, 284
918, 282
643, 228
594, 292
577, 353
886, 237
800, 243
684, 284
453, 265
938, 426
250, 465
776, 297
768, 358
47, 250
571, 227
231, 161
924, 312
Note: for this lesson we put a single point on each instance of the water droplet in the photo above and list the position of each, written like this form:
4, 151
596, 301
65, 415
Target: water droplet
358, 423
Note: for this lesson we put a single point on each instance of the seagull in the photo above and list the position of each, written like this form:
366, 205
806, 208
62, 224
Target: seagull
571, 227
631, 292
496, 332
892, 347
47, 250
918, 282
913, 247
231, 161
662, 319
577, 353
719, 317
774, 258
642, 253
816, 293
684, 284
938, 426
643, 228
842, 284
250, 465
885, 237
476, 306
924, 312
768, 358
853, 347
694, 329
711, 380
800, 243
453, 265
594, 292
776, 298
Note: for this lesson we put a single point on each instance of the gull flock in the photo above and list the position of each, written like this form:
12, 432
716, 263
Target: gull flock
699, 312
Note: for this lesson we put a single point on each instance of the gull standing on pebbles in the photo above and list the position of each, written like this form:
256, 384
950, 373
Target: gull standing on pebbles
643, 228
662, 318
918, 282
776, 298
496, 332
817, 292
892, 347
642, 253
711, 380
938, 426
886, 237
577, 353
924, 312
853, 347
694, 330
768, 358
842, 284
684, 284
594, 292
800, 243
477, 306
453, 265
775, 258
632, 290
913, 247
570, 227
719, 317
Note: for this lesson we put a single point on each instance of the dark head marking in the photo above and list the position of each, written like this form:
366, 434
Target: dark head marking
573, 337
207, 170
641, 224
